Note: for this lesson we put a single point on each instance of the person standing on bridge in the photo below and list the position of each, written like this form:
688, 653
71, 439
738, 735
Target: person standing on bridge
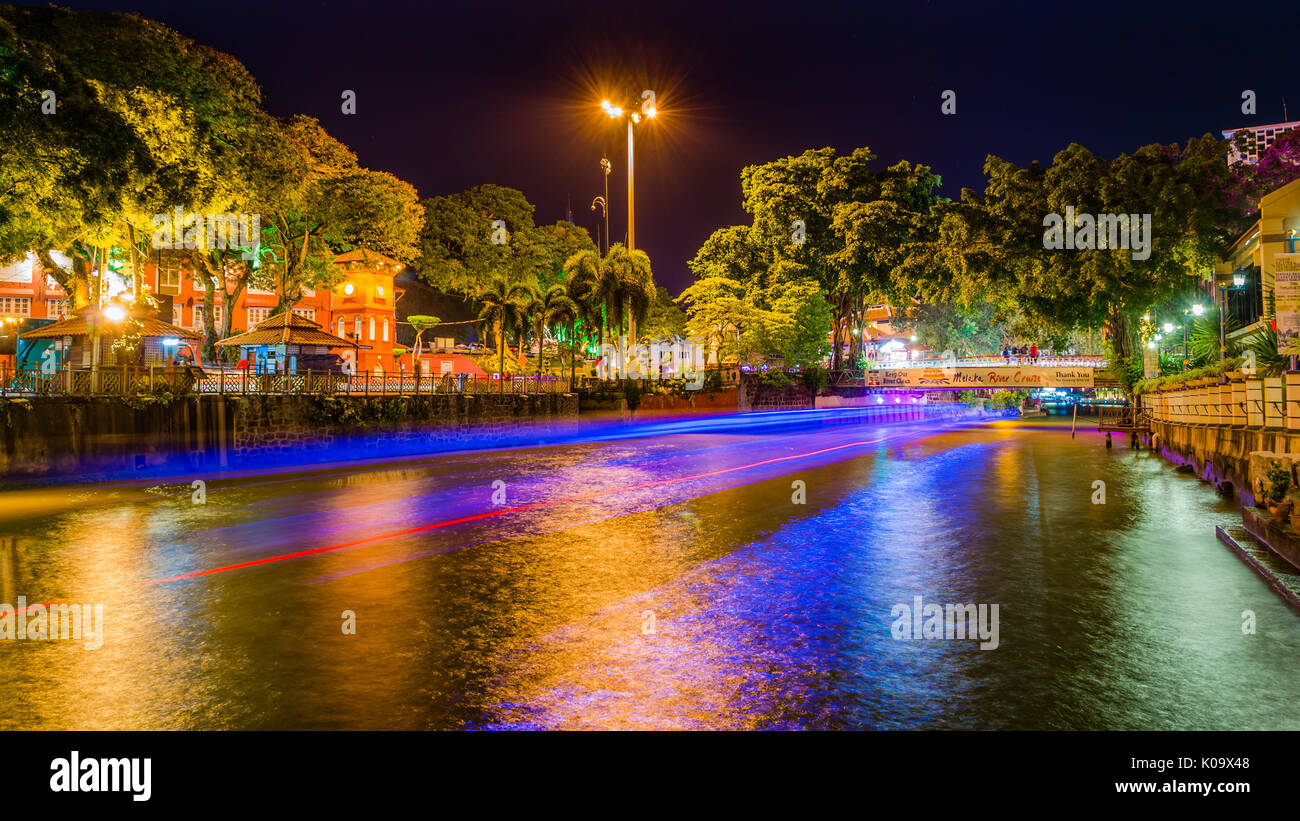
1033, 354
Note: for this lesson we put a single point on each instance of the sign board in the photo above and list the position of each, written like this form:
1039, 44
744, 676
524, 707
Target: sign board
1150, 363
980, 378
1286, 295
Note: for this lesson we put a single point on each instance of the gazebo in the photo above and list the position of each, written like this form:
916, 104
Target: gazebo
288, 343
158, 344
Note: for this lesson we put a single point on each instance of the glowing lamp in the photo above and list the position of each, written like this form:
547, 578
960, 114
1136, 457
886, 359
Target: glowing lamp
114, 313
1198, 309
348, 289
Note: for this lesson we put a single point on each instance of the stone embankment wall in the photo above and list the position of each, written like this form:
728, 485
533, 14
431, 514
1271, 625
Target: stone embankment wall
78, 438
1219, 455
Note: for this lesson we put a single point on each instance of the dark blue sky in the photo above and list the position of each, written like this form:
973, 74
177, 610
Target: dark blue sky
457, 94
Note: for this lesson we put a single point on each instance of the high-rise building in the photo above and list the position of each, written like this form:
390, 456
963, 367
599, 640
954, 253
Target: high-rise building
1263, 136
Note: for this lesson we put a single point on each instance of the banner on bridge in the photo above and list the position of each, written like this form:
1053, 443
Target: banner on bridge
980, 378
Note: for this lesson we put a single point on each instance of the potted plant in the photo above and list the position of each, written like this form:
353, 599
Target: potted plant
1279, 482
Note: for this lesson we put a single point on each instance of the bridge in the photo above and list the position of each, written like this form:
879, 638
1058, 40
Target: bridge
984, 373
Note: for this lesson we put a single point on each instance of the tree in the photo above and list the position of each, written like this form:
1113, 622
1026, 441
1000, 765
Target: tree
503, 310
583, 273
664, 320
1276, 166
549, 309
462, 245
717, 311
626, 287
945, 326
803, 192
131, 138
421, 323
546, 248
996, 243
337, 206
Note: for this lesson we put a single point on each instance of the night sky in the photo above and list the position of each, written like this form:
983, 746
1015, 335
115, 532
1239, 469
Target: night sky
451, 95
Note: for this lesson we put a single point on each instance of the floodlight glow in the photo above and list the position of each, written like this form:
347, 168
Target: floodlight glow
114, 313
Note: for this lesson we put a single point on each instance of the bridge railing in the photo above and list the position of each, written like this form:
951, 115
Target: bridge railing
1040, 361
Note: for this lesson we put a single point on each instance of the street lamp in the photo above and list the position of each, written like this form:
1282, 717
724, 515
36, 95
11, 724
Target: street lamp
615, 112
603, 202
1238, 281
1197, 309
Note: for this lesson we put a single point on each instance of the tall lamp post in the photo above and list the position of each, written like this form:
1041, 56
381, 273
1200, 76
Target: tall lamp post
603, 202
1197, 309
1238, 281
616, 112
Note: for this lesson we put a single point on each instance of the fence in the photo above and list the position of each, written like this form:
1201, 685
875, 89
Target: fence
997, 361
1265, 403
120, 380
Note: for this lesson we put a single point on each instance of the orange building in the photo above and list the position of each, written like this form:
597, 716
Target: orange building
360, 307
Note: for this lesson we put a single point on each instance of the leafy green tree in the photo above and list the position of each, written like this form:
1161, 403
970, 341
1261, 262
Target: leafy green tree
421, 323
337, 206
665, 319
504, 310
549, 309
546, 248
945, 326
717, 311
131, 137
462, 247
995, 243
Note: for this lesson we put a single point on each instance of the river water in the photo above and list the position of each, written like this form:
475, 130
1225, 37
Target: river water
734, 578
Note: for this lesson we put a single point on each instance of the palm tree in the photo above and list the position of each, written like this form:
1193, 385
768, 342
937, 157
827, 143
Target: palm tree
584, 272
549, 310
503, 309
628, 290
619, 287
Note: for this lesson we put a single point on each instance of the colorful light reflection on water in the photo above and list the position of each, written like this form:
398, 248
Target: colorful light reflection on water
765, 613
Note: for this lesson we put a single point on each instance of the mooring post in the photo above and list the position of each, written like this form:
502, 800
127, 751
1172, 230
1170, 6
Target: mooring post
1108, 442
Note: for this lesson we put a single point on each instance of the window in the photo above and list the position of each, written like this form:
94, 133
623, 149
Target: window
372, 329
15, 306
306, 313
356, 329
56, 308
256, 315
178, 315
198, 315
385, 329
169, 273
342, 328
